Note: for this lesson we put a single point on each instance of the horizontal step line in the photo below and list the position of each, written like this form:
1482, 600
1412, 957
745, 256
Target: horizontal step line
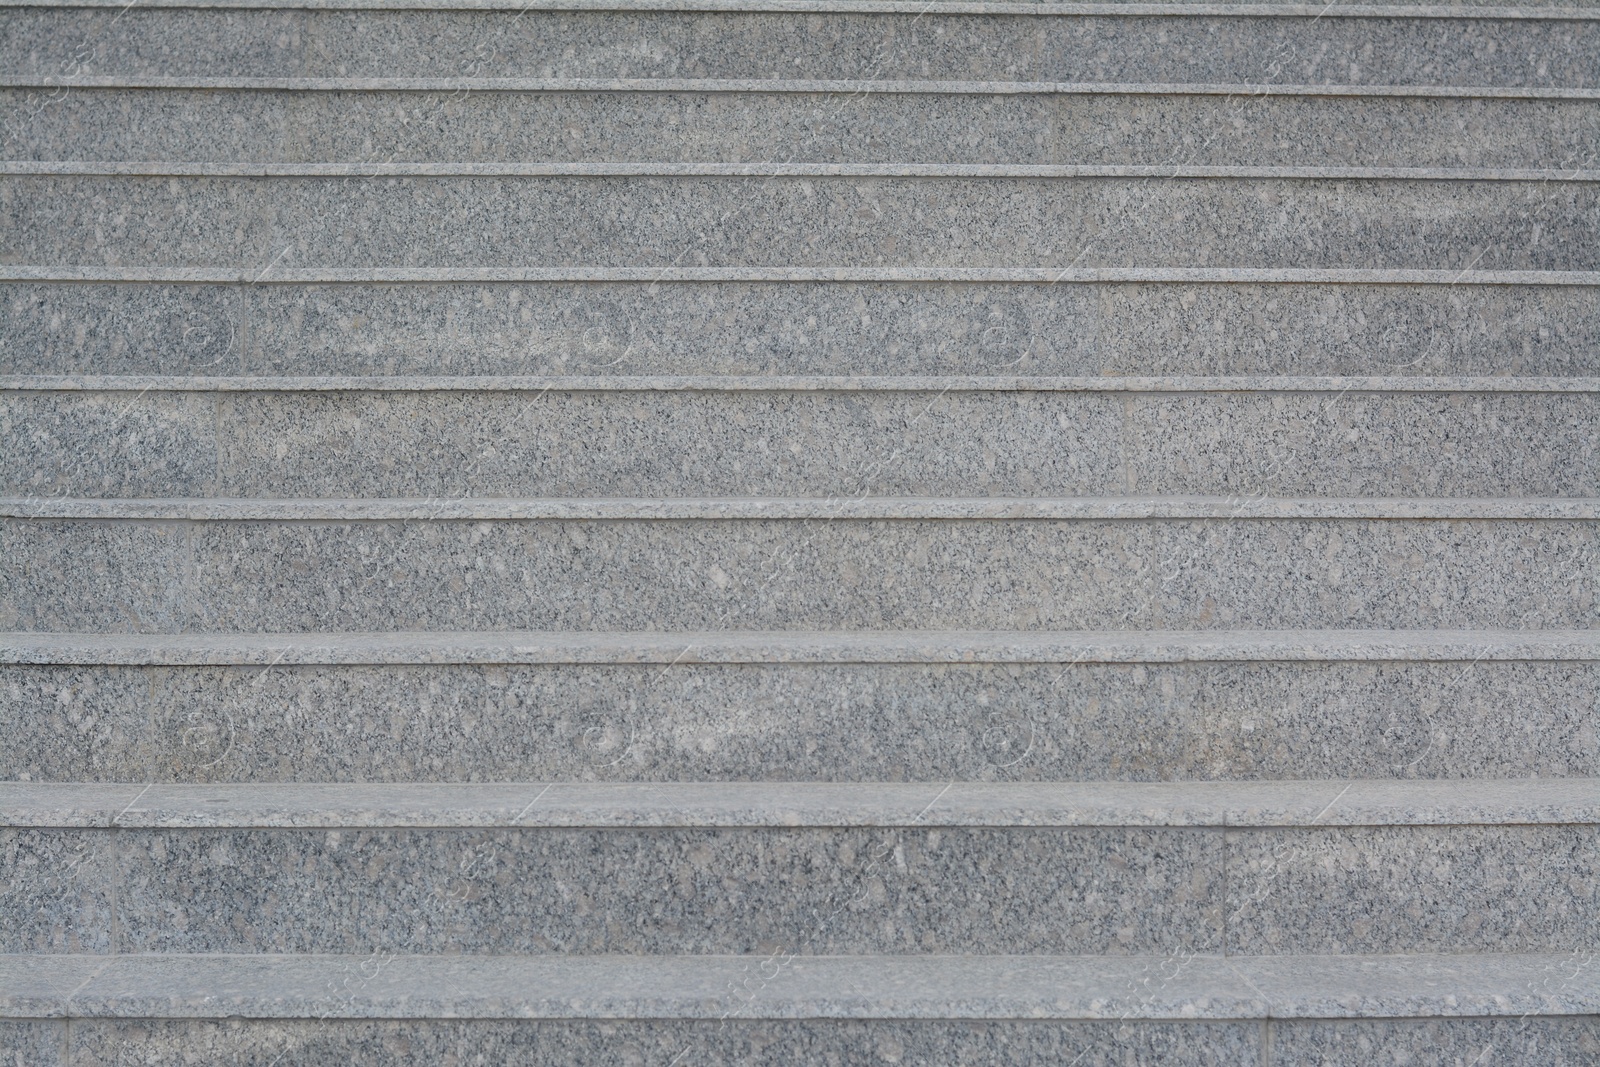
786, 647
733, 383
895, 7
822, 509
275, 275
789, 985
792, 85
1462, 802
779, 170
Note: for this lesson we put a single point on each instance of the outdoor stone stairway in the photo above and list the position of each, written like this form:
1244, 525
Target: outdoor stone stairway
799, 531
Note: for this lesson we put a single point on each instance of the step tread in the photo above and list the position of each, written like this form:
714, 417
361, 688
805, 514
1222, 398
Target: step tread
942, 383
1489, 10
789, 85
1288, 646
274, 274
163, 169
1463, 802
457, 509
1184, 986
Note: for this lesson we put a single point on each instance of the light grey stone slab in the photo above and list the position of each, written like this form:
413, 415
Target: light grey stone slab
614, 329
114, 444
1440, 889
1451, 985
254, 225
603, 330
122, 329
733, 1042
667, 890
1563, 1041
56, 804
808, 804
802, 721
456, 508
839, 647
1107, 128
926, 44
605, 576
33, 1041
1564, 9
41, 985
741, 444
70, 576
57, 891
1178, 986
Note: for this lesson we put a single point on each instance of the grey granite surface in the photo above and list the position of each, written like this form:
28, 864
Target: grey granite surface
33, 1042
383, 127
1178, 985
604, 329
733, 444
911, 44
254, 224
786, 804
651, 892
57, 891
814, 722
618, 1043
1456, 889
870, 575
1565, 1041
525, 647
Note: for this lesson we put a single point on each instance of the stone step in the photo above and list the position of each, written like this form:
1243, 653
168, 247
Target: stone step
818, 869
1556, 1040
1237, 127
257, 225
787, 805
861, 41
797, 574
1220, 325
783, 706
718, 438
1467, 988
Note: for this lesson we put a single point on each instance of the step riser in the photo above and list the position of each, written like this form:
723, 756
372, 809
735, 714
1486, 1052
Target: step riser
1568, 1041
388, 127
562, 444
812, 328
925, 45
806, 891
256, 224
708, 722
921, 575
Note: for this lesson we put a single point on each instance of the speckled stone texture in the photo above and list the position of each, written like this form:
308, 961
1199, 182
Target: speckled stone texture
688, 127
710, 722
696, 891
32, 1042
1564, 1041
254, 223
821, 328
799, 575
1384, 890
619, 1043
910, 45
57, 890
814, 444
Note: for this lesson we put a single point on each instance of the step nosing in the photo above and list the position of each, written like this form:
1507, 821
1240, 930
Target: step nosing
852, 87
787, 805
802, 509
647, 275
1193, 986
800, 647
152, 169
1035, 8
943, 383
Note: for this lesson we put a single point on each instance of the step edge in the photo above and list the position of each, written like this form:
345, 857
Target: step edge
1191, 986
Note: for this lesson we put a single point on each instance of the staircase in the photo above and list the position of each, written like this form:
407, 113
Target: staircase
799, 531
